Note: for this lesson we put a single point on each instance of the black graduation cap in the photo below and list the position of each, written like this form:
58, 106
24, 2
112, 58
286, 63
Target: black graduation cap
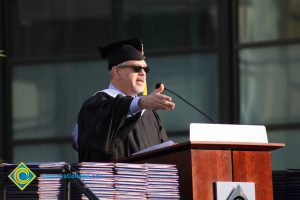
122, 51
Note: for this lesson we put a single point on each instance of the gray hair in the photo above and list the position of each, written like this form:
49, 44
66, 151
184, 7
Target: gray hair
122, 64
110, 75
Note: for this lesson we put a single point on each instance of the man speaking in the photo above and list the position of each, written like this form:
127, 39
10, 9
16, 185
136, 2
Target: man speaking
115, 122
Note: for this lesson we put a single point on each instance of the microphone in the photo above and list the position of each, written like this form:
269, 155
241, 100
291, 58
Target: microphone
205, 115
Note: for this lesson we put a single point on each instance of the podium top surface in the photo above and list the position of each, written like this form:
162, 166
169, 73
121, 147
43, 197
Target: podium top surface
189, 145
251, 146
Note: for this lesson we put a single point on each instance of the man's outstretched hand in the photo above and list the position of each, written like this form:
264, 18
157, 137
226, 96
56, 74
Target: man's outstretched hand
156, 100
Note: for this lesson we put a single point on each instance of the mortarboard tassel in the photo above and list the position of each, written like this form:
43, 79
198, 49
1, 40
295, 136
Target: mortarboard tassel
145, 92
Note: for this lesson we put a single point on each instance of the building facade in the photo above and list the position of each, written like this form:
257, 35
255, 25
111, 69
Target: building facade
237, 60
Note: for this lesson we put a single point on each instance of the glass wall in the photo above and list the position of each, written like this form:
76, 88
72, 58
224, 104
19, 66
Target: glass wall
268, 20
270, 85
47, 98
287, 157
43, 28
44, 152
46, 102
269, 64
171, 23
193, 77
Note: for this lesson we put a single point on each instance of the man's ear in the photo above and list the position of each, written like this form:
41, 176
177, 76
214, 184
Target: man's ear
115, 72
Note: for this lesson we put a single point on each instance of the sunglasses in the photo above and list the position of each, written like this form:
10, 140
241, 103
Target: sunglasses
136, 68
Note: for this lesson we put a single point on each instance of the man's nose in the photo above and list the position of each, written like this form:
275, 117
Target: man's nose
142, 72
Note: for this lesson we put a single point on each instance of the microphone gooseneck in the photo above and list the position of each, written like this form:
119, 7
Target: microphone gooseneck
157, 85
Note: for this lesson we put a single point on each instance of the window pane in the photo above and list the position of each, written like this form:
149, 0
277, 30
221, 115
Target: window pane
171, 23
270, 85
194, 77
44, 153
285, 158
47, 98
60, 27
268, 19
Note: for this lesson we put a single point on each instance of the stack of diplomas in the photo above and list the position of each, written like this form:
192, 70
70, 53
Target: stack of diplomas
162, 182
98, 177
130, 181
105, 181
51, 183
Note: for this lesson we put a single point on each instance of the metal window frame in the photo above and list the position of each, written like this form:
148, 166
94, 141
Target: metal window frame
54, 140
5, 83
228, 63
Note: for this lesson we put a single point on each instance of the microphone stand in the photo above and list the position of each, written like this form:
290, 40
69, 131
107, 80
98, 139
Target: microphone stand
213, 121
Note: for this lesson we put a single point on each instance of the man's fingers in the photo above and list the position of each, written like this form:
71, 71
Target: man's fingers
160, 89
165, 97
169, 105
157, 101
165, 105
165, 102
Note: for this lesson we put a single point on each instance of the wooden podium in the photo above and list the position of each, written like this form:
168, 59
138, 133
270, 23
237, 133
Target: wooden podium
200, 164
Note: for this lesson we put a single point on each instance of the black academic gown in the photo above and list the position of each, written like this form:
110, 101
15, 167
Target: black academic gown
106, 133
